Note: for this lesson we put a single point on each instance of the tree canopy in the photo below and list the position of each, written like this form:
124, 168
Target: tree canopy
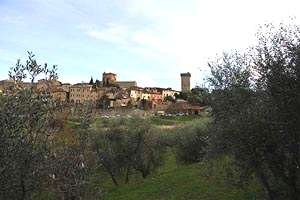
256, 102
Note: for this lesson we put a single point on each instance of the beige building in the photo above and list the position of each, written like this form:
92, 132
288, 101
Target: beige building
146, 95
185, 108
82, 92
136, 93
66, 87
44, 83
169, 92
58, 91
6, 83
55, 88
10, 82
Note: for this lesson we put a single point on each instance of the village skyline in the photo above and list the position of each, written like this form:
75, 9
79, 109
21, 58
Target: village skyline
109, 92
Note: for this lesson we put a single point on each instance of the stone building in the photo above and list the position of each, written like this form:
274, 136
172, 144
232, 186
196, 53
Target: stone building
82, 92
185, 82
126, 84
184, 107
58, 94
108, 79
6, 83
168, 92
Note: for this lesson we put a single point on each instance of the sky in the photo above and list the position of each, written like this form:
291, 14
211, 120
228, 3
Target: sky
147, 41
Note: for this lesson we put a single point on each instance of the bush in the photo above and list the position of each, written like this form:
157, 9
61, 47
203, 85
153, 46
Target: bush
190, 142
128, 145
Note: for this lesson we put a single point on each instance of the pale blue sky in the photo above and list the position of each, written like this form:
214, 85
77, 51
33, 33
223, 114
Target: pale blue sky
148, 41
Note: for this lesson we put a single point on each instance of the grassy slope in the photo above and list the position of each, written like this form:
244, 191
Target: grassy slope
182, 182
195, 181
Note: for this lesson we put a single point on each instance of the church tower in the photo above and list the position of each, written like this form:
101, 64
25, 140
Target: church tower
108, 79
185, 82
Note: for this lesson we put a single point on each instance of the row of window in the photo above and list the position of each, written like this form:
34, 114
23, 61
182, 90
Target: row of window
77, 90
78, 95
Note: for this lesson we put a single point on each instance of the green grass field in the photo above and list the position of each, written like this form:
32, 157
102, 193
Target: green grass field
196, 181
173, 120
206, 180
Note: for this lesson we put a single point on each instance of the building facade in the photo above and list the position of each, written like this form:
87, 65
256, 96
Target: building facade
126, 84
82, 92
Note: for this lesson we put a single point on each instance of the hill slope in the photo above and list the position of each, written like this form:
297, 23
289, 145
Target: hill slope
196, 181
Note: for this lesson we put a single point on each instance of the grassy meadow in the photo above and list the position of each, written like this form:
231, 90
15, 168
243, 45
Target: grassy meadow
215, 179
195, 181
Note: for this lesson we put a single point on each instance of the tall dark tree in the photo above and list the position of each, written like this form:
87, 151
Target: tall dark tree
91, 81
181, 95
169, 98
97, 83
198, 96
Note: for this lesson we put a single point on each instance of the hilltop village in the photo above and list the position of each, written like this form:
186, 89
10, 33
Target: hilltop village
110, 93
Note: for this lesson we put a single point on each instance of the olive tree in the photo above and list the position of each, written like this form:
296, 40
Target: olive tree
73, 162
110, 147
25, 129
190, 141
37, 160
255, 102
146, 146
128, 145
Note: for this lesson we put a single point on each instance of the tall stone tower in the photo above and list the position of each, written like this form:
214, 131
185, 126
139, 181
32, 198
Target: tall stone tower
108, 78
185, 82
